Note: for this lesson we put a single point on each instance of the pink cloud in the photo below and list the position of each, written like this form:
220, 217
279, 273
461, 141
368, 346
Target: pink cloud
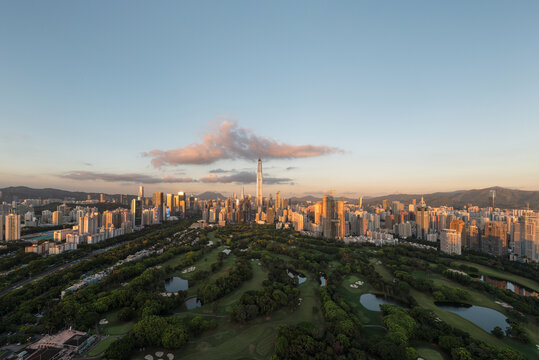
229, 141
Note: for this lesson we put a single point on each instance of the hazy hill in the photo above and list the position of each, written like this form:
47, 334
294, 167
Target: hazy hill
210, 195
505, 198
23, 192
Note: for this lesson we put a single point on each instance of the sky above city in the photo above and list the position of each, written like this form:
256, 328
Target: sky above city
355, 97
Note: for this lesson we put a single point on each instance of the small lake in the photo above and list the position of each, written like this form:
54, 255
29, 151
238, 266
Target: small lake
486, 318
372, 302
175, 284
301, 279
192, 303
504, 284
323, 281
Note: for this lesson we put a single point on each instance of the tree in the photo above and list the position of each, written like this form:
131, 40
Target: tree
498, 332
149, 330
174, 337
125, 314
461, 353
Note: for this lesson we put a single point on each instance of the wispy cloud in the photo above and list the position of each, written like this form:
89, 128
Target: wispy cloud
230, 141
243, 177
221, 171
291, 168
128, 177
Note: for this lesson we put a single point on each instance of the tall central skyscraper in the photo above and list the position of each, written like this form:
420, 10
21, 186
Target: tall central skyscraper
259, 184
141, 192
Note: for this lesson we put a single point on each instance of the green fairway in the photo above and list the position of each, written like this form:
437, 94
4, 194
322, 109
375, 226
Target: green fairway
115, 326
461, 323
380, 269
203, 264
254, 340
175, 261
101, 346
228, 263
259, 275
476, 297
352, 295
428, 352
485, 270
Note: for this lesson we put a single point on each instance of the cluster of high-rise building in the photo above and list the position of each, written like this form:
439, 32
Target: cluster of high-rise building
512, 233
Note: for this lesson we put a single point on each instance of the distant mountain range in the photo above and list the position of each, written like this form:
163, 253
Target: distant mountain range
210, 195
505, 198
22, 192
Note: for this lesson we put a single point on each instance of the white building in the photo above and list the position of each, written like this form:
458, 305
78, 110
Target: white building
450, 241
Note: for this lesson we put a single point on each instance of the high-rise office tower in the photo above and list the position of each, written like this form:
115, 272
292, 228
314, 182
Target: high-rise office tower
182, 203
13, 227
157, 199
1, 227
422, 220
340, 216
141, 192
360, 203
259, 184
136, 212
170, 203
278, 200
495, 240
457, 225
333, 221
57, 218
471, 233
529, 241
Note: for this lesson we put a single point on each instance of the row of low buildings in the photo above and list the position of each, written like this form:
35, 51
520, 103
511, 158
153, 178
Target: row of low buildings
96, 277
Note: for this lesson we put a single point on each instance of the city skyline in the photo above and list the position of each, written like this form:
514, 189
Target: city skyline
356, 98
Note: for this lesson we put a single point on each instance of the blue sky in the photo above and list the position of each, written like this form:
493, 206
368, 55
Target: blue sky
417, 96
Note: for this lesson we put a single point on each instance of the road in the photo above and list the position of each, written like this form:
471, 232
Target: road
55, 269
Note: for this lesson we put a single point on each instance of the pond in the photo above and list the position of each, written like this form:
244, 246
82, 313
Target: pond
504, 284
176, 284
372, 302
301, 279
192, 303
323, 281
486, 318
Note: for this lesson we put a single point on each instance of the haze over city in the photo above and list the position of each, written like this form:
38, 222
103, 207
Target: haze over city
269, 180
357, 97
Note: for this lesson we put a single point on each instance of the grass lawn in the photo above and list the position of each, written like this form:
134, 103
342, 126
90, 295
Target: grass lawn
254, 340
259, 275
352, 296
228, 264
204, 263
429, 352
115, 326
476, 297
175, 261
426, 301
101, 346
486, 270
380, 269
